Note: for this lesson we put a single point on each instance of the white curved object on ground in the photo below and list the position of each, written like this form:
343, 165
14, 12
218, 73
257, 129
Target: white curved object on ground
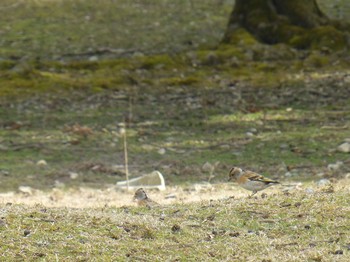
151, 180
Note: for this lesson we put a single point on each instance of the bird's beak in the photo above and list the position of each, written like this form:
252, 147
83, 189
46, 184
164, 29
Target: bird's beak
229, 179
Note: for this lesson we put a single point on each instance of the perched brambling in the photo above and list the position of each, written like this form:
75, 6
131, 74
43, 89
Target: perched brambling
250, 180
143, 200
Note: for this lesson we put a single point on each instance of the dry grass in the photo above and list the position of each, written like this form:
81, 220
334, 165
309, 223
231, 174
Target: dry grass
297, 226
112, 197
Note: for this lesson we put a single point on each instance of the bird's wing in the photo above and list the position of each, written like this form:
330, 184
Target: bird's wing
252, 176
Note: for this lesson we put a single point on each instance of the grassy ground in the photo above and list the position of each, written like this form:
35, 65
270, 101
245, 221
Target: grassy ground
297, 226
64, 29
270, 122
270, 109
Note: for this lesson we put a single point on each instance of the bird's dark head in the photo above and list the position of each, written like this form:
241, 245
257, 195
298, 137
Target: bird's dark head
140, 194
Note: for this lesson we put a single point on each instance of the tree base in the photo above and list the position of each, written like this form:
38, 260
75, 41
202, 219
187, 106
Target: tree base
298, 23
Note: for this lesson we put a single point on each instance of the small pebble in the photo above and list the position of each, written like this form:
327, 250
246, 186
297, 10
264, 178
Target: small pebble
344, 148
253, 130
73, 175
41, 162
161, 151
309, 191
323, 182
335, 166
249, 134
26, 232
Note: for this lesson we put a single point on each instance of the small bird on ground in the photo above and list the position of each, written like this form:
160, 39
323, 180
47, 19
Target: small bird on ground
250, 180
143, 200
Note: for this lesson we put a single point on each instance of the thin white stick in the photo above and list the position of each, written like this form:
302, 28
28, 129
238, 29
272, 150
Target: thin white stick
126, 159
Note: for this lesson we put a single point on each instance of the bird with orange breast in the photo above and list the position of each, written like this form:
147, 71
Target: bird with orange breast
250, 180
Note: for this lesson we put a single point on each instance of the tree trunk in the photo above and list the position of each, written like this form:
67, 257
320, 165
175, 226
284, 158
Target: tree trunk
283, 21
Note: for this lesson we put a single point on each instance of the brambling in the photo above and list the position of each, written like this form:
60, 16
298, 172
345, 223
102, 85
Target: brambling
250, 180
142, 199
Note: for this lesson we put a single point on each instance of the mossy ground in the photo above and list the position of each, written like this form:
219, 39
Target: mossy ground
269, 109
180, 113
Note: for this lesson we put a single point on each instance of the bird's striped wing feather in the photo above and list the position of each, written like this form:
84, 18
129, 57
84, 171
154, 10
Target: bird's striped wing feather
252, 176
